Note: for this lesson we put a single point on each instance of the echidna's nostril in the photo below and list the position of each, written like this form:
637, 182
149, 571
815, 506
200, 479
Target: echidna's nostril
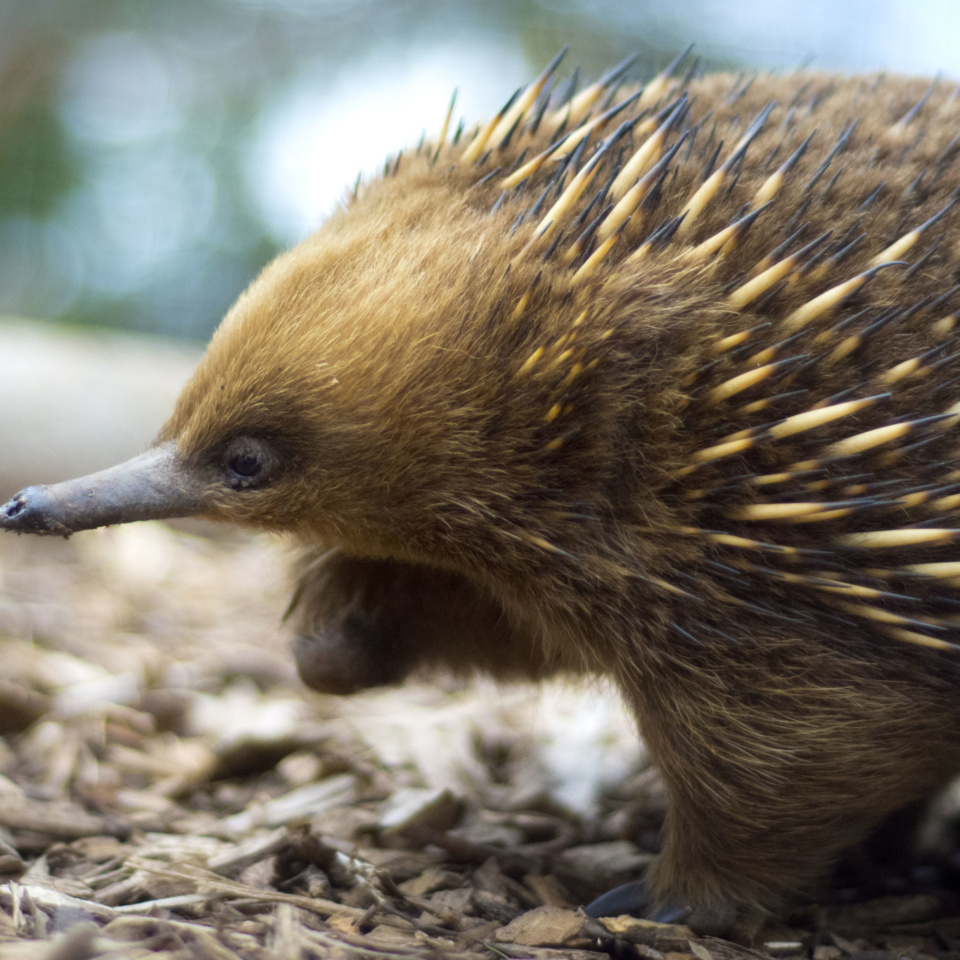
14, 507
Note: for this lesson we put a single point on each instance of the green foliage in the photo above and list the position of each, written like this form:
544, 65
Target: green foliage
37, 165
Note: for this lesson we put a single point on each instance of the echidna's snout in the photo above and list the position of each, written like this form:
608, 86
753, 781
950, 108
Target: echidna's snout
152, 486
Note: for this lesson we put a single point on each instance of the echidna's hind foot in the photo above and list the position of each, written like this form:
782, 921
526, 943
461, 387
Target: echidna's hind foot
361, 623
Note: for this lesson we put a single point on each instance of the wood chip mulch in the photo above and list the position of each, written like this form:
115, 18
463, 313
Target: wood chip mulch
169, 790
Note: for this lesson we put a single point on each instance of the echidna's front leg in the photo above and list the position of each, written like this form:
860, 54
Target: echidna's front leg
362, 623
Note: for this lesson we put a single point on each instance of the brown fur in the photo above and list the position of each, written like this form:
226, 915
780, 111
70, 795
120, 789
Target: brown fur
525, 517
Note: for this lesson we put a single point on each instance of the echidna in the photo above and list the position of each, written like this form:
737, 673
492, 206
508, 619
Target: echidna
662, 384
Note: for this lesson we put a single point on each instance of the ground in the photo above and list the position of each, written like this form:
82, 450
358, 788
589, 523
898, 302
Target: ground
169, 790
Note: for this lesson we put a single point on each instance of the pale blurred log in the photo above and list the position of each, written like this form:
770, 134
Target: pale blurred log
74, 400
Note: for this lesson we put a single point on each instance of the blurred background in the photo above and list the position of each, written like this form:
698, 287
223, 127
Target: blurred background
154, 155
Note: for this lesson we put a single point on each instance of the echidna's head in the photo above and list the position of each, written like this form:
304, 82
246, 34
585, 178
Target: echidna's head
347, 383
312, 397
363, 389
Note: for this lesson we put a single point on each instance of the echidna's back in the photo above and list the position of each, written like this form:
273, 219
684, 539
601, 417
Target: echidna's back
818, 461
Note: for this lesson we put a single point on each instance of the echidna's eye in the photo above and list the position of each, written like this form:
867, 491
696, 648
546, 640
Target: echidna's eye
245, 465
249, 462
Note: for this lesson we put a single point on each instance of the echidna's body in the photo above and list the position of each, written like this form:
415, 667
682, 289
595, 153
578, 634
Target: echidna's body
554, 415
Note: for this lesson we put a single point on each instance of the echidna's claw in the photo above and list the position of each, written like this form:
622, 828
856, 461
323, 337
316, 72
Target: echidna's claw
634, 899
629, 898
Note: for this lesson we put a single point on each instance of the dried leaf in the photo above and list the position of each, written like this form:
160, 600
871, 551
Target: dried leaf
543, 927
